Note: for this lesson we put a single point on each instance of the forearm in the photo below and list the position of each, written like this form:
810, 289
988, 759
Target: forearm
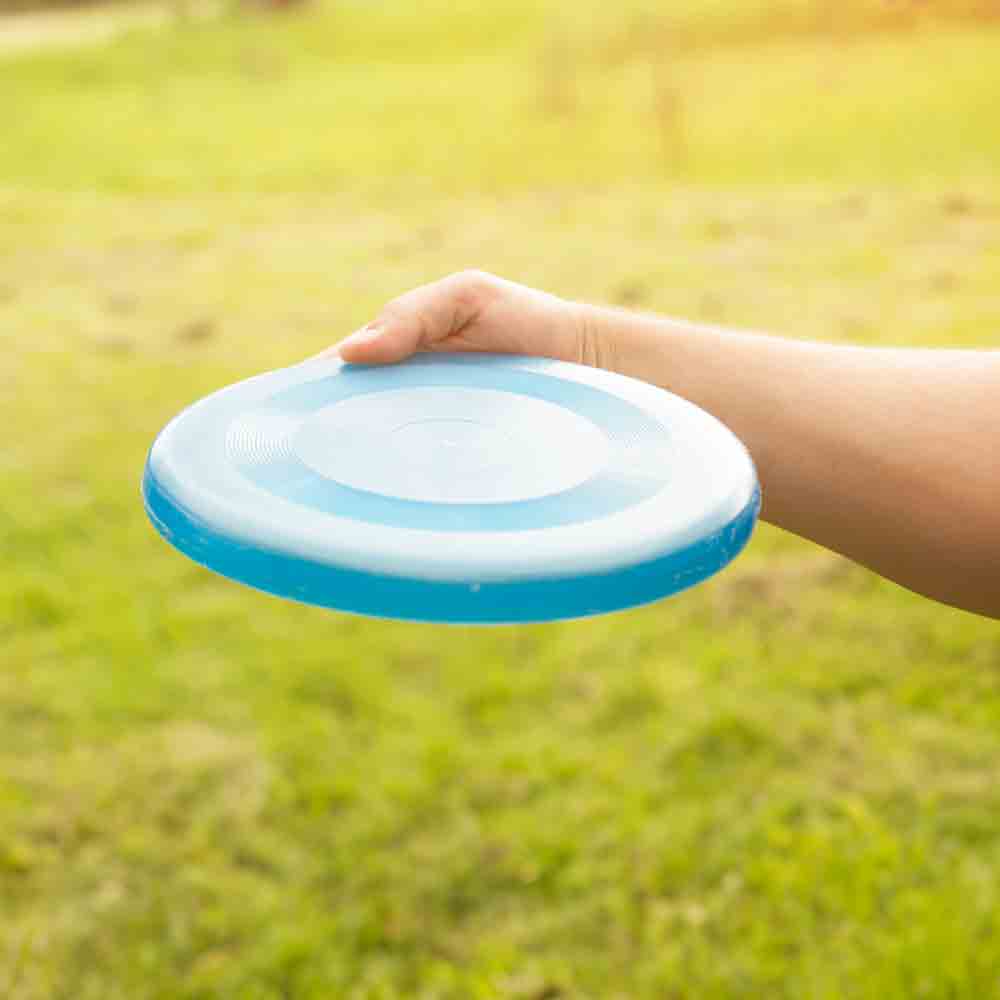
890, 457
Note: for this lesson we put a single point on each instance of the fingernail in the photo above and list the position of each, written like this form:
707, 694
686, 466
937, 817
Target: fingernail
362, 336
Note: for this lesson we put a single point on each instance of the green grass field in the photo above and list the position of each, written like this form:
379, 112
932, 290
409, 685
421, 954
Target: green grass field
785, 783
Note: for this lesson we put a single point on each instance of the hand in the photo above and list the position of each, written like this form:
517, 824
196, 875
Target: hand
473, 311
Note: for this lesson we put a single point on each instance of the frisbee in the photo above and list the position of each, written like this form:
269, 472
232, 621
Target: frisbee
453, 488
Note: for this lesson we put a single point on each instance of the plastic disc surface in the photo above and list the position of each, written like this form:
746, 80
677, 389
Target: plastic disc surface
455, 488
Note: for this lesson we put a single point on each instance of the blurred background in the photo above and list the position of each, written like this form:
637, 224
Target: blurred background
785, 783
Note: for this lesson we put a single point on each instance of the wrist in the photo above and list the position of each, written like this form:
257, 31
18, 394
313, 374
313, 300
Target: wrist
595, 337
639, 345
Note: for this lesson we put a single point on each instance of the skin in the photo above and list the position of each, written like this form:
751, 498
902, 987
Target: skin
890, 457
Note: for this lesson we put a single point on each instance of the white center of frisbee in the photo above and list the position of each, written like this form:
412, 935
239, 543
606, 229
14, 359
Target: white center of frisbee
471, 443
450, 445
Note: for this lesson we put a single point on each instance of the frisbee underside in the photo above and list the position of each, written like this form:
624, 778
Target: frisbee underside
453, 488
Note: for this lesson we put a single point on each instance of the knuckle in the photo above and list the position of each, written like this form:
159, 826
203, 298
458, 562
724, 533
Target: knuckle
474, 276
471, 290
473, 281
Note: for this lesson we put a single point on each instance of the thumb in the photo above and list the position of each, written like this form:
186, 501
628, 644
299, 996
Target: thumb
418, 319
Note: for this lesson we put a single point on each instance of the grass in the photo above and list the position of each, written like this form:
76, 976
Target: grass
379, 99
783, 783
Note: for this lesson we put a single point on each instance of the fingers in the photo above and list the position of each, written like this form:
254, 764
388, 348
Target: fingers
419, 319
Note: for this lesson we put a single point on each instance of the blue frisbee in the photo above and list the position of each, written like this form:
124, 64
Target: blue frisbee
453, 488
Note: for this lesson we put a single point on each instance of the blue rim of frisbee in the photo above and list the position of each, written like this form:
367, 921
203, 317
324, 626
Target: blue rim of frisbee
472, 598
374, 594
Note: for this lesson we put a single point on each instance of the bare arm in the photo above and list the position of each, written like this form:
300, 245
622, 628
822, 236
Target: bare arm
891, 457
